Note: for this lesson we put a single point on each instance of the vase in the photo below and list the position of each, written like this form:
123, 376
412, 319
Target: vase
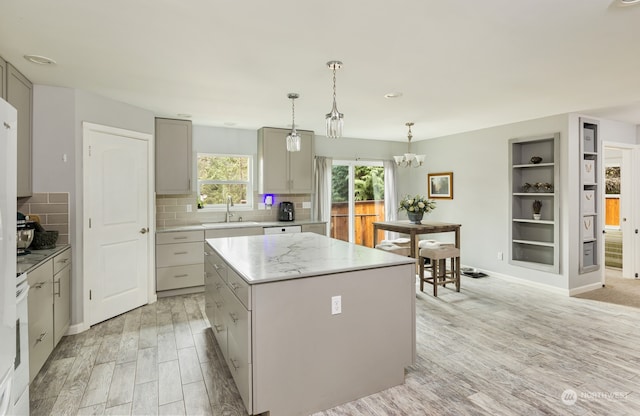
415, 217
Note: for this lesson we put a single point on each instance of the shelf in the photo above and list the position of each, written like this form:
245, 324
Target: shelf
533, 194
534, 243
591, 209
532, 165
547, 222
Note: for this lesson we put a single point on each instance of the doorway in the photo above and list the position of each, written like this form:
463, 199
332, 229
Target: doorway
620, 202
357, 200
117, 211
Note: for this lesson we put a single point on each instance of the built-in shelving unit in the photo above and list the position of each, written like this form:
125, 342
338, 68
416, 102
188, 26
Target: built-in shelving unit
590, 191
535, 240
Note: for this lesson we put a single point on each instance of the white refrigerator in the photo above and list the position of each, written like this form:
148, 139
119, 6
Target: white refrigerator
8, 163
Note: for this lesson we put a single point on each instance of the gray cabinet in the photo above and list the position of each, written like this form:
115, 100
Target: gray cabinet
173, 156
19, 92
179, 260
318, 228
61, 295
534, 176
591, 211
280, 171
3, 79
49, 307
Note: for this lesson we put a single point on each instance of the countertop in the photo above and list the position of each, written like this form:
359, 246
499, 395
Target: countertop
236, 224
267, 258
24, 264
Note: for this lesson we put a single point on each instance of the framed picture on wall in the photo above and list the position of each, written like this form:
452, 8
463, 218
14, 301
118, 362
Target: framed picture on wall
440, 185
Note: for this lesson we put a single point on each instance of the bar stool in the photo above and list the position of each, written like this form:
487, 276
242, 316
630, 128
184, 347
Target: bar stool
439, 273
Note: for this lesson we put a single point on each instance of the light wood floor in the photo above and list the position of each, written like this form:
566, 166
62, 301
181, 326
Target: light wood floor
496, 348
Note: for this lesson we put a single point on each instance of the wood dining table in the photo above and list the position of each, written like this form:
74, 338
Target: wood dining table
414, 230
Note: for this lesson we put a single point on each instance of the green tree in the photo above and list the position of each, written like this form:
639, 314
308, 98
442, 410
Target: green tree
368, 183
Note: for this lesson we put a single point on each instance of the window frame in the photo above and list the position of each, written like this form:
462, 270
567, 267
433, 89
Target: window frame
249, 183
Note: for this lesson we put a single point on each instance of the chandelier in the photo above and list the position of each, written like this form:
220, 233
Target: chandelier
293, 139
334, 119
409, 159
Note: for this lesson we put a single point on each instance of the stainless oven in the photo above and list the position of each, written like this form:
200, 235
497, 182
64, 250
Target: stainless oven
20, 391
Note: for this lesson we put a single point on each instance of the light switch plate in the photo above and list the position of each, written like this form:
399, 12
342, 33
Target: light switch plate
306, 204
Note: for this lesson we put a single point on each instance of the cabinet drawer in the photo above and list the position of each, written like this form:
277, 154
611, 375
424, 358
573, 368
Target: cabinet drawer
40, 276
217, 264
238, 320
61, 260
241, 372
239, 287
291, 229
177, 277
179, 254
179, 237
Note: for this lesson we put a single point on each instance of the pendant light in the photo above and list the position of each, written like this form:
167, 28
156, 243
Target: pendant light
334, 119
409, 159
293, 139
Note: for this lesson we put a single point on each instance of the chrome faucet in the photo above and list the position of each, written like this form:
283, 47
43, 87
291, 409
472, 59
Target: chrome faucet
229, 205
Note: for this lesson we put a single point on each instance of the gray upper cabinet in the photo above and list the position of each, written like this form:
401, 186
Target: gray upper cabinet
3, 79
280, 171
173, 156
20, 95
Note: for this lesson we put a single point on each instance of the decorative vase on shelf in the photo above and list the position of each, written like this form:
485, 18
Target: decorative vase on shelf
536, 216
415, 217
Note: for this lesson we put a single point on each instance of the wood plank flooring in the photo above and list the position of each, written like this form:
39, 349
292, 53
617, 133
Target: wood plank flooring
495, 348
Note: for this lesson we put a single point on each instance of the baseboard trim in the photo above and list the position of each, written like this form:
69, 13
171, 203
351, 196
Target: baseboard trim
537, 285
585, 288
77, 328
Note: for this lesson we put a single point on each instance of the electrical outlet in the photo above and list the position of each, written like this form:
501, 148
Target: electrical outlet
189, 208
306, 204
500, 255
336, 305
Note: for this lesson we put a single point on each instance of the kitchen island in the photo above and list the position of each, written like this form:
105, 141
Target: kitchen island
306, 322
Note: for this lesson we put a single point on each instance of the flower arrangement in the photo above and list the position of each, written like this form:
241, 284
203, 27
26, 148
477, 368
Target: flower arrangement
417, 204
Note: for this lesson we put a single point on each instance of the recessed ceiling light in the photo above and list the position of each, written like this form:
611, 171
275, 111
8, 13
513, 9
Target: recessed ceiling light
395, 94
40, 60
628, 2
183, 115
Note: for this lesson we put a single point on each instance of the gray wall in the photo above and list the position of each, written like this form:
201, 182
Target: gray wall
58, 116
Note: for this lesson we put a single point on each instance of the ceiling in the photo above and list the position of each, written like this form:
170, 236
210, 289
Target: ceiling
461, 65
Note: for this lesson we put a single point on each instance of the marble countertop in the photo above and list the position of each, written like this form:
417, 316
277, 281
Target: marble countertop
25, 263
235, 224
267, 258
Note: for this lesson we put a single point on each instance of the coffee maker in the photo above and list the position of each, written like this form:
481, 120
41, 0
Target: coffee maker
286, 212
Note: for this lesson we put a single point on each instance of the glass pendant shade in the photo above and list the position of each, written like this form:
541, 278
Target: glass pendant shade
335, 119
293, 142
293, 139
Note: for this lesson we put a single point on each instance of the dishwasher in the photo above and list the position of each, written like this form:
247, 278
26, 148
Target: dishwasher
289, 229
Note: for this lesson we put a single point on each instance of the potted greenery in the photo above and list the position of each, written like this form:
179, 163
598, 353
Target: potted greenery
416, 206
537, 206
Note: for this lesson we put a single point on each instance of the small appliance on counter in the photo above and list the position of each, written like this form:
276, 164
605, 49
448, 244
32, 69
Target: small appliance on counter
286, 212
24, 234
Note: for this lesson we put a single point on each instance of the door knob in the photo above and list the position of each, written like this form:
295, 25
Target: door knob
143, 230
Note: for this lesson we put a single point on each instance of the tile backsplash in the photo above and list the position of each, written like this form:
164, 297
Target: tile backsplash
171, 210
53, 210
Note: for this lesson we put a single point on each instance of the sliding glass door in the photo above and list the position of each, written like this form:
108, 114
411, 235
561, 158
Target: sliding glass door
357, 200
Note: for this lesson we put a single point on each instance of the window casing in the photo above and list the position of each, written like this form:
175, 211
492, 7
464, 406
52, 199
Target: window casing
220, 176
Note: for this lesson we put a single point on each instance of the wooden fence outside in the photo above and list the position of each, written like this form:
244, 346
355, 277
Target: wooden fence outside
612, 211
367, 212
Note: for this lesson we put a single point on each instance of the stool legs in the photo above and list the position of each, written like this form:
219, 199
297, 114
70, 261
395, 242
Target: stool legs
439, 272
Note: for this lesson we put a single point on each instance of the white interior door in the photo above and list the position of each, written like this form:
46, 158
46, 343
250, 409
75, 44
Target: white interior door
116, 213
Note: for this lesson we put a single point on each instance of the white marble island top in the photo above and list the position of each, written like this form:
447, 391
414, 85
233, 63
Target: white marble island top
267, 258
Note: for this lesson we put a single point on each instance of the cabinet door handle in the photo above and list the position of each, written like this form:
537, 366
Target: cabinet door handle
218, 286
235, 286
41, 337
38, 285
234, 364
234, 317
177, 276
180, 238
218, 304
59, 285
179, 252
63, 260
218, 328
